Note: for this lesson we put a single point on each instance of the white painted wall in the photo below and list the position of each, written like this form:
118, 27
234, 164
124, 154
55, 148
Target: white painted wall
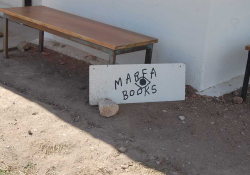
11, 3
228, 34
207, 35
36, 2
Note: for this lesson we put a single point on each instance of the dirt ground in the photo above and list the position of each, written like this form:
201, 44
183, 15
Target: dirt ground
47, 126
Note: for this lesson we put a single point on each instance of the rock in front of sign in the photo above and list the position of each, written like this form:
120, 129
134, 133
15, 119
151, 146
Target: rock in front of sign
137, 83
108, 108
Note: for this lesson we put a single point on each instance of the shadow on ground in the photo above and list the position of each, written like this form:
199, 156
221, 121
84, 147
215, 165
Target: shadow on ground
209, 141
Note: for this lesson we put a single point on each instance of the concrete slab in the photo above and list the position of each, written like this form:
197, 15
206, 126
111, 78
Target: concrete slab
18, 33
224, 88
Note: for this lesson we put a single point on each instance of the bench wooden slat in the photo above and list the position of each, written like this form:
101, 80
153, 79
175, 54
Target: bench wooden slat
95, 32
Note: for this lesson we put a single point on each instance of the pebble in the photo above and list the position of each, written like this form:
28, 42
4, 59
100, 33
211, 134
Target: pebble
132, 140
212, 123
236, 93
164, 111
158, 162
108, 108
30, 133
238, 100
151, 157
209, 99
22, 46
242, 133
182, 118
122, 149
124, 167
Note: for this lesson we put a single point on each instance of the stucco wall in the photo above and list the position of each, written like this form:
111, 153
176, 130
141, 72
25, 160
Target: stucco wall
10, 3
208, 35
228, 34
181, 27
17, 3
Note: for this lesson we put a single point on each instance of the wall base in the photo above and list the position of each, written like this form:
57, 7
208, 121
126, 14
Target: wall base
224, 88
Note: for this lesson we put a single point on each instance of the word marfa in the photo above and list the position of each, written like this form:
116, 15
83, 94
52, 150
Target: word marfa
143, 83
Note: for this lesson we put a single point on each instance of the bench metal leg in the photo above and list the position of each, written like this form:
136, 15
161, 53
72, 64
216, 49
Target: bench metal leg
41, 40
5, 37
112, 57
246, 79
149, 53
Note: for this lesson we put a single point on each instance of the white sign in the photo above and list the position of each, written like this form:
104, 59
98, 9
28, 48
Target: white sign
137, 83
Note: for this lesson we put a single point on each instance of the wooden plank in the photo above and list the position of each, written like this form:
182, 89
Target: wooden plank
137, 83
248, 47
99, 33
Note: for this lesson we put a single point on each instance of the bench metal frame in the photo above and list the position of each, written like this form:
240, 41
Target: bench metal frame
246, 79
42, 29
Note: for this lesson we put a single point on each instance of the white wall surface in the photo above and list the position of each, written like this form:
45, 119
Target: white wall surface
11, 3
36, 2
207, 35
228, 34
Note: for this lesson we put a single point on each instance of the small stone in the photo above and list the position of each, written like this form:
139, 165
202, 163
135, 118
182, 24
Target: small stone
164, 111
236, 93
242, 133
130, 163
238, 100
212, 123
204, 101
151, 157
217, 99
209, 99
194, 96
122, 149
124, 167
35, 113
158, 162
108, 108
30, 133
22, 46
182, 118
132, 140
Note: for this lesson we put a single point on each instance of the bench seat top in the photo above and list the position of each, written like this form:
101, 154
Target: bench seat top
89, 30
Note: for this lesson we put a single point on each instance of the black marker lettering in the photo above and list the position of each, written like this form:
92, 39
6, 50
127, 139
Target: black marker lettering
146, 91
132, 93
136, 76
125, 95
118, 83
139, 92
153, 72
128, 79
154, 90
143, 73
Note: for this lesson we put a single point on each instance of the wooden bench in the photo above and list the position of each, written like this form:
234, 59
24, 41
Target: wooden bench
103, 37
247, 76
